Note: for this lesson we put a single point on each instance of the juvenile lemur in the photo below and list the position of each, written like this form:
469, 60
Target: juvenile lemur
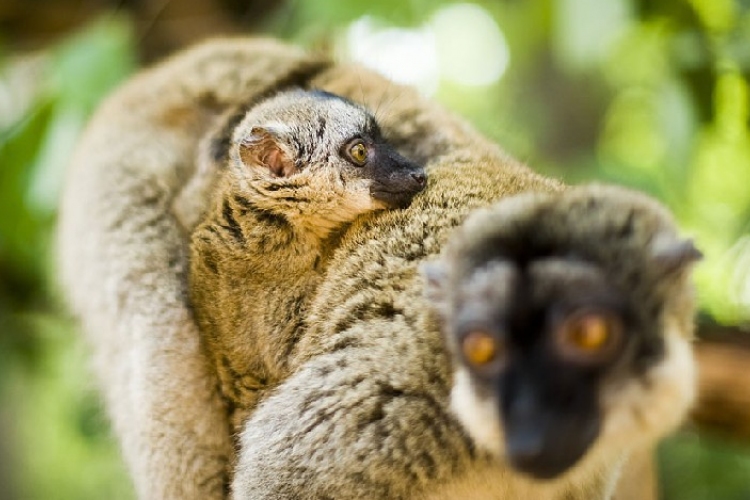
299, 167
123, 256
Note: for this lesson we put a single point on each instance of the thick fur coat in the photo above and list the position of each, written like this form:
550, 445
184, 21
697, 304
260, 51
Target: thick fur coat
365, 412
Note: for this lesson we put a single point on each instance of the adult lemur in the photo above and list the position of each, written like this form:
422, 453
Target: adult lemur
565, 314
366, 412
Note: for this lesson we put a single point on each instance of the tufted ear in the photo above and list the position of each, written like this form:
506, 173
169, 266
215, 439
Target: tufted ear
674, 255
262, 147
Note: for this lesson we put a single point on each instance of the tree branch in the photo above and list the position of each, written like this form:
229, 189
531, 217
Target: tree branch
723, 356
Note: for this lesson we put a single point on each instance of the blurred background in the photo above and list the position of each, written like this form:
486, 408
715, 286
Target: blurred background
650, 94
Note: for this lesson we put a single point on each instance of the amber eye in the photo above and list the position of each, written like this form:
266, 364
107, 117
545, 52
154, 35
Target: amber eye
358, 153
479, 348
589, 336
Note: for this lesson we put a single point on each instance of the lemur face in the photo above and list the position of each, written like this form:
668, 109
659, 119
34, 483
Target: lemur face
324, 143
394, 180
554, 326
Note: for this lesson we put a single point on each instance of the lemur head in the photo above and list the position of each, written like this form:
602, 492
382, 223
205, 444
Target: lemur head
319, 157
569, 317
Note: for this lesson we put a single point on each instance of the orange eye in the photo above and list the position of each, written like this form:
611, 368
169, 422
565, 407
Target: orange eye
589, 335
358, 153
479, 348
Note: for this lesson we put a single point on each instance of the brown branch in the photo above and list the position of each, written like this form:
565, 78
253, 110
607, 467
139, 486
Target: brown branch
723, 356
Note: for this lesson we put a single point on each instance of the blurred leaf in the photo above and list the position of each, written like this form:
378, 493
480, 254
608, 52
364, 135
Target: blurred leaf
641, 55
86, 66
19, 228
698, 468
64, 456
716, 15
52, 158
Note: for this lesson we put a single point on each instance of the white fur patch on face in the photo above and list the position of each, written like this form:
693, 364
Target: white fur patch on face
358, 199
642, 410
594, 477
636, 413
318, 202
480, 417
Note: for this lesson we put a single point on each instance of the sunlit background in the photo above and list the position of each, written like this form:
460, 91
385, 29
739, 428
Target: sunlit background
650, 94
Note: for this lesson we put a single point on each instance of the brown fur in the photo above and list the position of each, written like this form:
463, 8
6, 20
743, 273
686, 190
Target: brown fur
364, 413
267, 235
122, 234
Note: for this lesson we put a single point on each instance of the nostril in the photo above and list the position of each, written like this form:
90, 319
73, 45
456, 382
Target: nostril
420, 178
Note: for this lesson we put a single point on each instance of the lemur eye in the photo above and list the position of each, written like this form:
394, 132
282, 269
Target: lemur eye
589, 336
357, 152
479, 348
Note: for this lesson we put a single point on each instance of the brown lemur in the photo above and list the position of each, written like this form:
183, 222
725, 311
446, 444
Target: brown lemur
299, 167
365, 412
568, 315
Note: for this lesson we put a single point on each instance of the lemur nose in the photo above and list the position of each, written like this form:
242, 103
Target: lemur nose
420, 178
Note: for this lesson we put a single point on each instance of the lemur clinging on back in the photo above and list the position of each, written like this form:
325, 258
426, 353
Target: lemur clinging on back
297, 168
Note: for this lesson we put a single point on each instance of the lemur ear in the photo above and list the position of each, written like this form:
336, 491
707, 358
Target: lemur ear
262, 147
674, 255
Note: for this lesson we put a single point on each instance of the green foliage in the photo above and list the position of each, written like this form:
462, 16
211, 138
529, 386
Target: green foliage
35, 151
658, 100
66, 450
313, 20
699, 468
